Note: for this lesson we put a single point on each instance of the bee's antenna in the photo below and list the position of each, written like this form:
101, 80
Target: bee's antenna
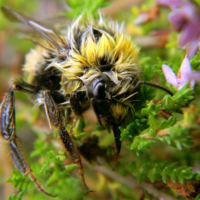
139, 83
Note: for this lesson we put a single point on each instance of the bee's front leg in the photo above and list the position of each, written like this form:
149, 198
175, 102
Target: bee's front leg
117, 135
102, 106
8, 134
72, 151
75, 105
55, 120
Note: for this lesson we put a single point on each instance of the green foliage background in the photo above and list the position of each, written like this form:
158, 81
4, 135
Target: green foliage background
146, 156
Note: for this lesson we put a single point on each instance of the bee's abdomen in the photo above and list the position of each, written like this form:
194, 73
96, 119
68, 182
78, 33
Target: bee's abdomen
48, 79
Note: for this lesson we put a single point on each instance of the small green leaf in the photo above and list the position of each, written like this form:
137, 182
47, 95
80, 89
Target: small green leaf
195, 62
178, 144
16, 197
61, 158
158, 168
168, 102
164, 175
187, 173
70, 168
198, 197
152, 175
171, 167
167, 140
79, 126
167, 123
53, 179
82, 135
153, 124
173, 175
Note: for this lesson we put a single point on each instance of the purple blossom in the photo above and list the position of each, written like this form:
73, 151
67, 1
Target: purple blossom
173, 4
185, 17
184, 74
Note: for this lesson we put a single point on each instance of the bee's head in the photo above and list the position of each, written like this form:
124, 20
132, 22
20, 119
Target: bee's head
110, 106
100, 87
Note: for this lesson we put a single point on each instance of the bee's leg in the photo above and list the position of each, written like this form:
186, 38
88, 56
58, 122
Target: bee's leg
76, 108
8, 133
103, 107
72, 151
55, 120
139, 83
75, 105
116, 132
23, 86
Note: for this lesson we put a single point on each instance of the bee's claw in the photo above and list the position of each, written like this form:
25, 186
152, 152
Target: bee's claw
116, 159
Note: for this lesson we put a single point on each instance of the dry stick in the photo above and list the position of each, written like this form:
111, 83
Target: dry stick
129, 181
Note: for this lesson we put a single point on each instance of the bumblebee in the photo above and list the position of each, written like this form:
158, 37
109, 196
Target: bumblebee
90, 64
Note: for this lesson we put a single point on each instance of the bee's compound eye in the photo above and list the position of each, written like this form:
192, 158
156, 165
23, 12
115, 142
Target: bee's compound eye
99, 91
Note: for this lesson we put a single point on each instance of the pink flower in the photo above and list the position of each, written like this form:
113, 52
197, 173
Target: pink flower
185, 17
173, 4
184, 74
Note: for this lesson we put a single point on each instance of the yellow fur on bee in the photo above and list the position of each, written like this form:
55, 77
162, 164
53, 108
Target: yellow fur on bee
119, 111
117, 49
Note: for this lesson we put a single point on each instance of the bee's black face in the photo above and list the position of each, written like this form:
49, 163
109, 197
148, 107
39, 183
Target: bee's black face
99, 91
99, 87
99, 96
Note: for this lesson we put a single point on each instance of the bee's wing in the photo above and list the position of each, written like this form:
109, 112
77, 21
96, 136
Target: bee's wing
58, 22
46, 32
34, 37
